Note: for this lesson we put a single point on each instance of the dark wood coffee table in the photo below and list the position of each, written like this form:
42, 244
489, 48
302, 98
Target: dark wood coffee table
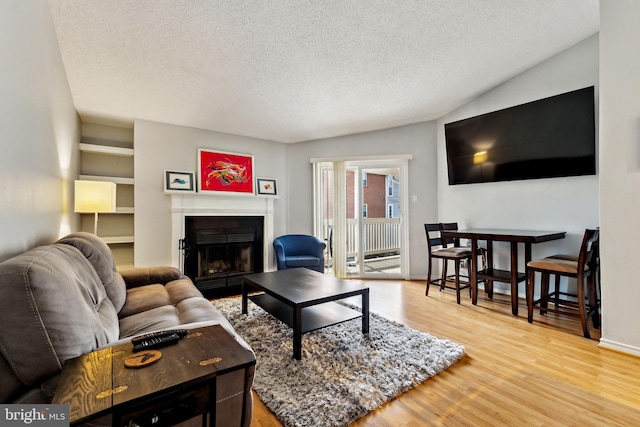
303, 300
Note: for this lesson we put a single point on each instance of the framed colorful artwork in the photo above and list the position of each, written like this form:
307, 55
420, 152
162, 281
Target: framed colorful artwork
179, 182
266, 186
225, 172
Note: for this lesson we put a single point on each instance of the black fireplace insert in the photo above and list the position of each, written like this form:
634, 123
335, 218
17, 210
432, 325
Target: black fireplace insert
219, 250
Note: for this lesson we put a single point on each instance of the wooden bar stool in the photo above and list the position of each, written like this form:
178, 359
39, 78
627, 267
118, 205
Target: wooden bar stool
583, 269
440, 249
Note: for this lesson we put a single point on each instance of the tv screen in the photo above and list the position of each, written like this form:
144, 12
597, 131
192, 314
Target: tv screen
551, 137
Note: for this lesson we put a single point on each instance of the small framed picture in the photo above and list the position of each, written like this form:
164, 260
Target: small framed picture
179, 182
266, 186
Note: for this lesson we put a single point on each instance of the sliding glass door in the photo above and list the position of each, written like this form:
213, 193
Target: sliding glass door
377, 219
360, 206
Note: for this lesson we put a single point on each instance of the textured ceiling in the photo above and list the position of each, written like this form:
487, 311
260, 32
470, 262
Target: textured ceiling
292, 71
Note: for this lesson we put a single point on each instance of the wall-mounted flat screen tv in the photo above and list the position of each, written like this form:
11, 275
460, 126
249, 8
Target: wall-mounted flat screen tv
551, 137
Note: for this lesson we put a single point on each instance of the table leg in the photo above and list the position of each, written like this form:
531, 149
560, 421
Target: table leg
245, 294
474, 271
514, 278
489, 282
365, 311
527, 259
297, 333
592, 297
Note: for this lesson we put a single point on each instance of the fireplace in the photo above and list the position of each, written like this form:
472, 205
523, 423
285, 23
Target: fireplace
219, 250
212, 208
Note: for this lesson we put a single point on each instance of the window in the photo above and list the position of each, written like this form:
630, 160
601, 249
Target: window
390, 211
364, 210
364, 180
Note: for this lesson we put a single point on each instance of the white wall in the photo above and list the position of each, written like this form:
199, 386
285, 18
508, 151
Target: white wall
40, 131
159, 146
620, 173
417, 140
556, 204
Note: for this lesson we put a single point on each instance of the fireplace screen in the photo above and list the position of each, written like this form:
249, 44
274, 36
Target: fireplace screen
232, 255
218, 251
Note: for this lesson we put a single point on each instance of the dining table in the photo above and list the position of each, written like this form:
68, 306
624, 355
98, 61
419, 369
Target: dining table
490, 274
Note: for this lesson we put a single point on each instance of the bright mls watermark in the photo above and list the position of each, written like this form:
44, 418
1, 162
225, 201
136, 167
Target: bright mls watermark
34, 415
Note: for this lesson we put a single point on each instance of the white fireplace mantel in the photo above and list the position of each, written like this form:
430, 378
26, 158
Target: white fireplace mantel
194, 204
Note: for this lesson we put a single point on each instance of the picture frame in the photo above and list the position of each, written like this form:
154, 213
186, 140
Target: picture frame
179, 181
266, 186
225, 172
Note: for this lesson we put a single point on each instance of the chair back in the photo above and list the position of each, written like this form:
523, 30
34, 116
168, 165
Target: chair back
450, 226
299, 244
589, 249
434, 241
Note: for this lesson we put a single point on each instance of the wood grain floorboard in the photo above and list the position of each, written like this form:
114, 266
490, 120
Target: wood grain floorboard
514, 373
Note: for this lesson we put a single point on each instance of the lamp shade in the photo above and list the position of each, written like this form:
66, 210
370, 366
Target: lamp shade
94, 196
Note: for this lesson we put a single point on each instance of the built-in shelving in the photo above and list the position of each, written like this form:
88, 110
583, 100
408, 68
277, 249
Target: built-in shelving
106, 154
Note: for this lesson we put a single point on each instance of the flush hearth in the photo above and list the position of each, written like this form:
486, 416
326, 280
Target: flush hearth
219, 250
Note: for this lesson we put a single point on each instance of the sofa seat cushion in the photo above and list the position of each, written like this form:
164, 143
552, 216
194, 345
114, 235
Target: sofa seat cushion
182, 289
194, 310
155, 307
148, 297
154, 319
302, 261
144, 298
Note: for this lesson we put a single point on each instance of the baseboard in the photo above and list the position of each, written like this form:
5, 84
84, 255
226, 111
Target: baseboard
620, 347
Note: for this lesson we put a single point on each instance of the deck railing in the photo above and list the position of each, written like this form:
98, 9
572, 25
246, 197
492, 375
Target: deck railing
381, 236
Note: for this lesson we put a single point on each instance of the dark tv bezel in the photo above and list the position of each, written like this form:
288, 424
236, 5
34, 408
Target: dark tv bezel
587, 167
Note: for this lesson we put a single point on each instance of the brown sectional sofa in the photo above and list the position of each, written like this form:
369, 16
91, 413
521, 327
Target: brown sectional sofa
66, 299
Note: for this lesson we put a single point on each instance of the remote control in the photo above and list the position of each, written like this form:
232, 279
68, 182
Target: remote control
158, 341
180, 332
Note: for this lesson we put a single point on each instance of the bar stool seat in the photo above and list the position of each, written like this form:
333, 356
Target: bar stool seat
439, 249
581, 268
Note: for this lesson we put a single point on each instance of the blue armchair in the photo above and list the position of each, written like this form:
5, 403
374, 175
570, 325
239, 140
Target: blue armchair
299, 250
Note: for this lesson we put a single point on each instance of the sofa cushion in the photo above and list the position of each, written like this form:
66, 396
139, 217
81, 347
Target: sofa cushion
143, 299
154, 307
56, 299
101, 258
154, 319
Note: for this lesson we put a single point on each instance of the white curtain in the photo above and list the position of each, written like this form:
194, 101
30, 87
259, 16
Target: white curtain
340, 219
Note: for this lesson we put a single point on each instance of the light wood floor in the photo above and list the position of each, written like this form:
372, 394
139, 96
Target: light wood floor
514, 373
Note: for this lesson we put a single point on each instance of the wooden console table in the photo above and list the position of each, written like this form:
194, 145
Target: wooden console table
512, 276
179, 386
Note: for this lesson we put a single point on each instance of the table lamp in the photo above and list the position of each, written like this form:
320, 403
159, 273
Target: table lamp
94, 197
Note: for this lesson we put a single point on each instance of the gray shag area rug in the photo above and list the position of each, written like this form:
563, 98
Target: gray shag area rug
344, 374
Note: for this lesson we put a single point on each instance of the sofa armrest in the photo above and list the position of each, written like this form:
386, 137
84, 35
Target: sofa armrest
141, 276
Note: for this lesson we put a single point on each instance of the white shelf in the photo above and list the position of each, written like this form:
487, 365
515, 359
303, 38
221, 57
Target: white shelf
119, 210
116, 179
106, 149
110, 240
124, 266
